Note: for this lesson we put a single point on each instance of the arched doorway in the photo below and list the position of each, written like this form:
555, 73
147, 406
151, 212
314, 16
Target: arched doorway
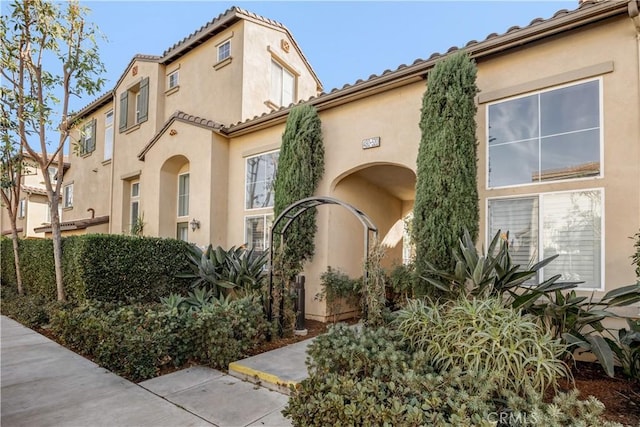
174, 203
387, 193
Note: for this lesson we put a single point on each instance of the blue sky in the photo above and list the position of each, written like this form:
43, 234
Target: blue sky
343, 40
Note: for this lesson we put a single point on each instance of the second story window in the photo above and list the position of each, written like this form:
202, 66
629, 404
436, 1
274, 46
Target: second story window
88, 137
174, 79
68, 196
545, 136
108, 135
134, 105
224, 51
22, 208
283, 85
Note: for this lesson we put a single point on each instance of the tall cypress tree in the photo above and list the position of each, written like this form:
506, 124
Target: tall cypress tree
446, 186
300, 168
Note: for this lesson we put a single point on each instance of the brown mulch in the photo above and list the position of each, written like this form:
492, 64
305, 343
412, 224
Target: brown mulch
620, 395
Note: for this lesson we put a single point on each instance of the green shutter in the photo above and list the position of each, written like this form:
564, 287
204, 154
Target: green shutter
92, 142
124, 100
143, 108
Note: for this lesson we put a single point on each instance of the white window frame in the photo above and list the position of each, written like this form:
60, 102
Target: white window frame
538, 92
109, 132
185, 214
280, 97
67, 196
22, 208
246, 163
224, 50
540, 248
265, 219
173, 79
182, 225
53, 173
134, 199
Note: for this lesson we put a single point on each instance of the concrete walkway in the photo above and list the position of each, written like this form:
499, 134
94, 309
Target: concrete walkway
44, 384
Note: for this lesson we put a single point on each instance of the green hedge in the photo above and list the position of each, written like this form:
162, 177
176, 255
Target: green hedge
103, 267
137, 340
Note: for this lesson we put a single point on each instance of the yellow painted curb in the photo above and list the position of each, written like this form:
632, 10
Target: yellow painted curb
263, 376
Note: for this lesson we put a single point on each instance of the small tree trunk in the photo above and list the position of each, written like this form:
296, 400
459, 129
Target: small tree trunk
57, 249
16, 255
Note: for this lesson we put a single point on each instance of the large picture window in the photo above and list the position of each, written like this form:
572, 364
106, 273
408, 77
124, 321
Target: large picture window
546, 136
568, 224
260, 173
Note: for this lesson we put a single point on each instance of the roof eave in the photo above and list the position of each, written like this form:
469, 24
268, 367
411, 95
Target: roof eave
418, 70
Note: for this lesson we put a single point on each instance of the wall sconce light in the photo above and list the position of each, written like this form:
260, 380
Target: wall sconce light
195, 224
173, 132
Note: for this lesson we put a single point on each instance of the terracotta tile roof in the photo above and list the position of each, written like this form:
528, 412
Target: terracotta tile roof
185, 118
78, 224
563, 20
221, 22
34, 190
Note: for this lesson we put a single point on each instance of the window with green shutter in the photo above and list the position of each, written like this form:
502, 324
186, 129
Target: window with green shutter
88, 144
136, 97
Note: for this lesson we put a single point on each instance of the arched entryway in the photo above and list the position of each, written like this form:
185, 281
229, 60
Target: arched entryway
174, 198
387, 193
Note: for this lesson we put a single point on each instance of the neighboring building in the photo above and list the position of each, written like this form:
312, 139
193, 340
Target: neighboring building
187, 143
33, 208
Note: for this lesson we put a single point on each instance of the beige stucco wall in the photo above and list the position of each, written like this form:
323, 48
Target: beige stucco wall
558, 61
262, 44
203, 155
90, 174
208, 89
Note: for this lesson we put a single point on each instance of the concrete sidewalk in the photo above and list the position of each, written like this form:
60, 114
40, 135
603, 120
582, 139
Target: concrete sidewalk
44, 384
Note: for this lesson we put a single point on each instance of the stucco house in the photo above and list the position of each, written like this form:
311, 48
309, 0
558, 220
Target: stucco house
33, 207
186, 144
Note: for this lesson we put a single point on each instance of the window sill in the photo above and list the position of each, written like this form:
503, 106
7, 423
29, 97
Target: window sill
85, 155
222, 63
172, 90
106, 162
132, 128
272, 105
68, 208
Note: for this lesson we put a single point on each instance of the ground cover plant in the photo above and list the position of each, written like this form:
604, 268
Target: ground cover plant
373, 377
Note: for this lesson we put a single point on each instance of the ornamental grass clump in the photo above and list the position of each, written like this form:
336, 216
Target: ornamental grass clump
482, 335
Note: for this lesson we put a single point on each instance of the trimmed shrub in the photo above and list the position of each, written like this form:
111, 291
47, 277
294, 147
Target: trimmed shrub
136, 341
102, 267
131, 269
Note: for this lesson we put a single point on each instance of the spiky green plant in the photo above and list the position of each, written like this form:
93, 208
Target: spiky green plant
482, 335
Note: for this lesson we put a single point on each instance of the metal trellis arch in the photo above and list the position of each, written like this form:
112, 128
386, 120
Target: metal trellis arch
290, 214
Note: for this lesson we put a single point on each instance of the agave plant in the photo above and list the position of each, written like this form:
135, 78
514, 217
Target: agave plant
576, 319
494, 274
223, 271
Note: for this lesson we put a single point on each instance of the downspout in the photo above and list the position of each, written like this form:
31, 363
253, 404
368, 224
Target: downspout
634, 13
